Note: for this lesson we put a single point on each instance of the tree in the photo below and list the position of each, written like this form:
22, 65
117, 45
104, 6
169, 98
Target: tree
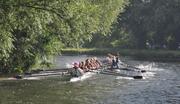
33, 30
152, 21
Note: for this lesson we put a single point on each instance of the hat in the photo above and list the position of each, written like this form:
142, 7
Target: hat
76, 64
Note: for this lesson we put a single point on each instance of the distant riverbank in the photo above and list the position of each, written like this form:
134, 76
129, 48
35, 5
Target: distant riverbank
154, 55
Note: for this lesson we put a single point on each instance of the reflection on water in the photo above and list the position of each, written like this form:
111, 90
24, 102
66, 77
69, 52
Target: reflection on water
163, 87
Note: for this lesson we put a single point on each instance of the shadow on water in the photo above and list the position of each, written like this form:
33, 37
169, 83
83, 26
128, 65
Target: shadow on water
162, 88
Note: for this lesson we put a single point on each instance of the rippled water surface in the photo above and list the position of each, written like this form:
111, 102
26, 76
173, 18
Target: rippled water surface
161, 85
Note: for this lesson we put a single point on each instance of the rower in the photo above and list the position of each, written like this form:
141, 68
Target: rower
116, 62
76, 72
97, 62
87, 65
83, 67
108, 60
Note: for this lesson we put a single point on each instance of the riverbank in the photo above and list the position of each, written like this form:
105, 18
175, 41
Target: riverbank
152, 55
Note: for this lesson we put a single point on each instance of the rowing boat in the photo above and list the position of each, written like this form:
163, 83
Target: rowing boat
123, 71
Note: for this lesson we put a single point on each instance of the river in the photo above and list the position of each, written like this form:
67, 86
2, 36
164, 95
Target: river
161, 85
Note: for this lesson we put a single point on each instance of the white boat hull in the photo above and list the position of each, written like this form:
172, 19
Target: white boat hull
83, 77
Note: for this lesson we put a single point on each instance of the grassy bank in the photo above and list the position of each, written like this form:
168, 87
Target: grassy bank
156, 55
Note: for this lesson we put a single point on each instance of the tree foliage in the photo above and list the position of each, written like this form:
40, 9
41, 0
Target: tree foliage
147, 24
33, 30
152, 21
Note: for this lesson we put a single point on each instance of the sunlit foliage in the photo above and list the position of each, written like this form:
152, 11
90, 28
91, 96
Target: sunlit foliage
31, 31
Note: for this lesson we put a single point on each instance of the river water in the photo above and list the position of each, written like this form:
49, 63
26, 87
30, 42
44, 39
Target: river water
161, 85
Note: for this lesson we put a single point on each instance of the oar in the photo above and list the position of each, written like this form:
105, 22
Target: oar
118, 74
133, 67
113, 73
143, 71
